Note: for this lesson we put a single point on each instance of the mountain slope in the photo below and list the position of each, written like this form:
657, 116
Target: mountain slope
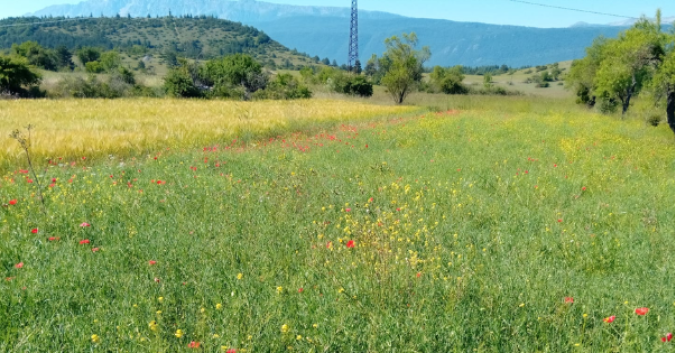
198, 38
452, 43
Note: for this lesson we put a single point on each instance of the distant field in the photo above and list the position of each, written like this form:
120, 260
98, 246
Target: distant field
507, 224
71, 129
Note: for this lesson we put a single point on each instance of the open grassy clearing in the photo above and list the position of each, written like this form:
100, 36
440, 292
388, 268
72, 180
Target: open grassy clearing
457, 231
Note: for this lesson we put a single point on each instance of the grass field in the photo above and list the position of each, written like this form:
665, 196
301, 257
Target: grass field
71, 129
503, 225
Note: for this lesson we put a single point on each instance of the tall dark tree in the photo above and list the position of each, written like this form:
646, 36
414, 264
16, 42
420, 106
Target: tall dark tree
15, 76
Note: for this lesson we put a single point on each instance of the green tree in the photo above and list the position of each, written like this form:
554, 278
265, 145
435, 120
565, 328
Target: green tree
64, 57
88, 54
234, 71
405, 69
307, 74
16, 76
372, 66
36, 55
583, 71
629, 62
110, 60
183, 80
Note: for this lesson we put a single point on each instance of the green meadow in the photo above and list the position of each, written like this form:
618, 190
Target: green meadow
493, 225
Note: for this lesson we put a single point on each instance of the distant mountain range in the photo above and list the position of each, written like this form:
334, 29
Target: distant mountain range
324, 31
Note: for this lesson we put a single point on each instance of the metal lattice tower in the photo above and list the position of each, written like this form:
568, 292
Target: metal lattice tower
354, 36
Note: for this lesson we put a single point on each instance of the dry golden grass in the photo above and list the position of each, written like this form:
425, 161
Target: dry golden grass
95, 128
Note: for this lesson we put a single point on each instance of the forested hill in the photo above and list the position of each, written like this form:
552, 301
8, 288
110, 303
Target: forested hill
193, 37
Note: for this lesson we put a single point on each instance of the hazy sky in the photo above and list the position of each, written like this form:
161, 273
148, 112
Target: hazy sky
488, 11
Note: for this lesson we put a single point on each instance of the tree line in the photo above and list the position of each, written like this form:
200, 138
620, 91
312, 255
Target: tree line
640, 62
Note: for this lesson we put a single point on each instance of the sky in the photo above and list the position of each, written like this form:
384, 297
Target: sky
486, 11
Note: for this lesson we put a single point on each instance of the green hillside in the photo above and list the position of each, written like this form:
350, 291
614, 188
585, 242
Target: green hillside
192, 37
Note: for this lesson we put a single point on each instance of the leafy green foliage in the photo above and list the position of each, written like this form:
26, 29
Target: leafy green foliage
448, 81
236, 76
403, 65
16, 77
284, 86
110, 60
94, 67
616, 70
88, 54
234, 71
183, 81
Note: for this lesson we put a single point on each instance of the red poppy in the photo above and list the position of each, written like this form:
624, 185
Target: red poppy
560, 221
668, 337
85, 241
351, 244
371, 200
419, 274
232, 350
152, 262
300, 290
348, 209
329, 244
85, 224
19, 265
642, 311
583, 189
53, 239
610, 319
12, 202
34, 231
569, 300
95, 249
193, 345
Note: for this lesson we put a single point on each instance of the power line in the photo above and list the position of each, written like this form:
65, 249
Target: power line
573, 9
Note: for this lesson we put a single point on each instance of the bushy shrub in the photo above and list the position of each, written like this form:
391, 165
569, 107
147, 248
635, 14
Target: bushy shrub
448, 81
94, 67
284, 86
349, 83
116, 86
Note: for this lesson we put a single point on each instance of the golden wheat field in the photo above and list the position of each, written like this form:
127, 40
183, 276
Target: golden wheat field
93, 128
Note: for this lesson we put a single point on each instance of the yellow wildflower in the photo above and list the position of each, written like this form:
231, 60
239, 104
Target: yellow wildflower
160, 299
219, 306
179, 333
298, 337
240, 276
95, 339
153, 326
280, 289
284, 328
